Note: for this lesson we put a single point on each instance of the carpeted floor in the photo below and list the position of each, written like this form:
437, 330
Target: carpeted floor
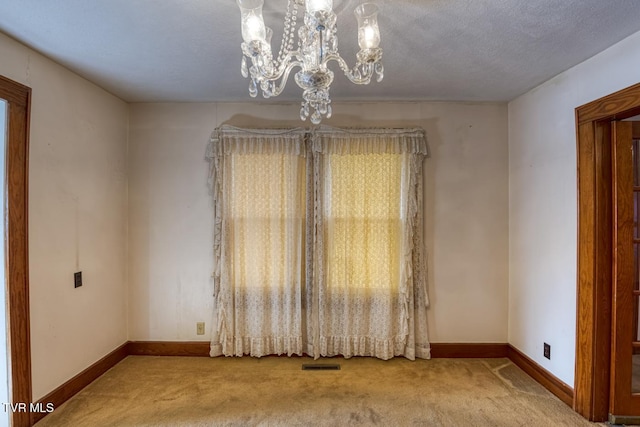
275, 391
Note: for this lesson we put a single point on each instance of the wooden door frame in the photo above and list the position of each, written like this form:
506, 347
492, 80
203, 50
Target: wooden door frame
595, 245
17, 255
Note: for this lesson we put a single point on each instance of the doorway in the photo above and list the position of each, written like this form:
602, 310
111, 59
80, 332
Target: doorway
17, 101
605, 258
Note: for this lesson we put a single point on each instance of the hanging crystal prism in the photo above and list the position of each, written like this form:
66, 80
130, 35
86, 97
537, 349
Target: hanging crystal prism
243, 67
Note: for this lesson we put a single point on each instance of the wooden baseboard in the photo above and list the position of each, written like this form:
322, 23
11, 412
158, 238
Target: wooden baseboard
481, 350
469, 350
63, 393
201, 349
169, 348
541, 375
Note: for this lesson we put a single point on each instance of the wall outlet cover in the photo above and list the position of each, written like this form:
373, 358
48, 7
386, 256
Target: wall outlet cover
547, 351
200, 328
77, 279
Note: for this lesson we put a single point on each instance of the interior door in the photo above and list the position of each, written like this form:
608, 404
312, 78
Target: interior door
625, 358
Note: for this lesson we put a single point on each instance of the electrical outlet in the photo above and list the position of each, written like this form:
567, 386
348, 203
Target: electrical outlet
77, 279
200, 328
547, 351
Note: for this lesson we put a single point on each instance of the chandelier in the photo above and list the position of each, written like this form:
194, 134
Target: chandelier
315, 47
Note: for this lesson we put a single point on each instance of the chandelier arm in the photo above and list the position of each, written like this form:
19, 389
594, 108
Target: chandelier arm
284, 77
278, 72
360, 78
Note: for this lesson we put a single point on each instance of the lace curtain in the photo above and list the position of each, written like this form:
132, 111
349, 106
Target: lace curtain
318, 242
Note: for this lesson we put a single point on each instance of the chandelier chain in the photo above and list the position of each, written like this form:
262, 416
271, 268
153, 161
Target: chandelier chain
290, 23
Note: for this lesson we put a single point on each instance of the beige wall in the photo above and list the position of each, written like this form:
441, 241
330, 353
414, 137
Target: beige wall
77, 216
543, 203
170, 211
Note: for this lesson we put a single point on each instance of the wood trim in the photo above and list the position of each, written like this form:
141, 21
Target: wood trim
201, 349
541, 375
469, 350
619, 105
622, 317
17, 274
585, 318
169, 348
80, 381
595, 246
594, 287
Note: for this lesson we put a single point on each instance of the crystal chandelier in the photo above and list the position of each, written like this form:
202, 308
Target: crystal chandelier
316, 46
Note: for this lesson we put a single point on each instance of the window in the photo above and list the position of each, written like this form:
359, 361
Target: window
363, 220
318, 243
266, 213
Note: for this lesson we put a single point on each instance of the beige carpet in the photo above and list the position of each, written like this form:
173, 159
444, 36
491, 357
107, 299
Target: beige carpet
275, 391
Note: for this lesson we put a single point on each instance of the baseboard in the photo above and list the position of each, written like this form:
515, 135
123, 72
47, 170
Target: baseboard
80, 381
541, 375
482, 350
169, 348
469, 350
201, 349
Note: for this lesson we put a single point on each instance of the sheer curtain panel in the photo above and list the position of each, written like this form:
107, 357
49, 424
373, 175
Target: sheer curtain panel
369, 272
318, 242
258, 182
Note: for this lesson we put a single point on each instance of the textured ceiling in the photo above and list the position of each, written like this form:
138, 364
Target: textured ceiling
189, 50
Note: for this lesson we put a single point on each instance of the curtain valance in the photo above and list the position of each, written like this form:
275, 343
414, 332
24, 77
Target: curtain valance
330, 140
324, 139
257, 141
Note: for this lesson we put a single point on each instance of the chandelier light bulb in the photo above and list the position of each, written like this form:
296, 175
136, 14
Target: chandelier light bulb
252, 22
370, 38
254, 29
368, 32
314, 6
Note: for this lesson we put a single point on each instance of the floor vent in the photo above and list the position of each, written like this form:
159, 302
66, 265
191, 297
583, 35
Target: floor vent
320, 367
